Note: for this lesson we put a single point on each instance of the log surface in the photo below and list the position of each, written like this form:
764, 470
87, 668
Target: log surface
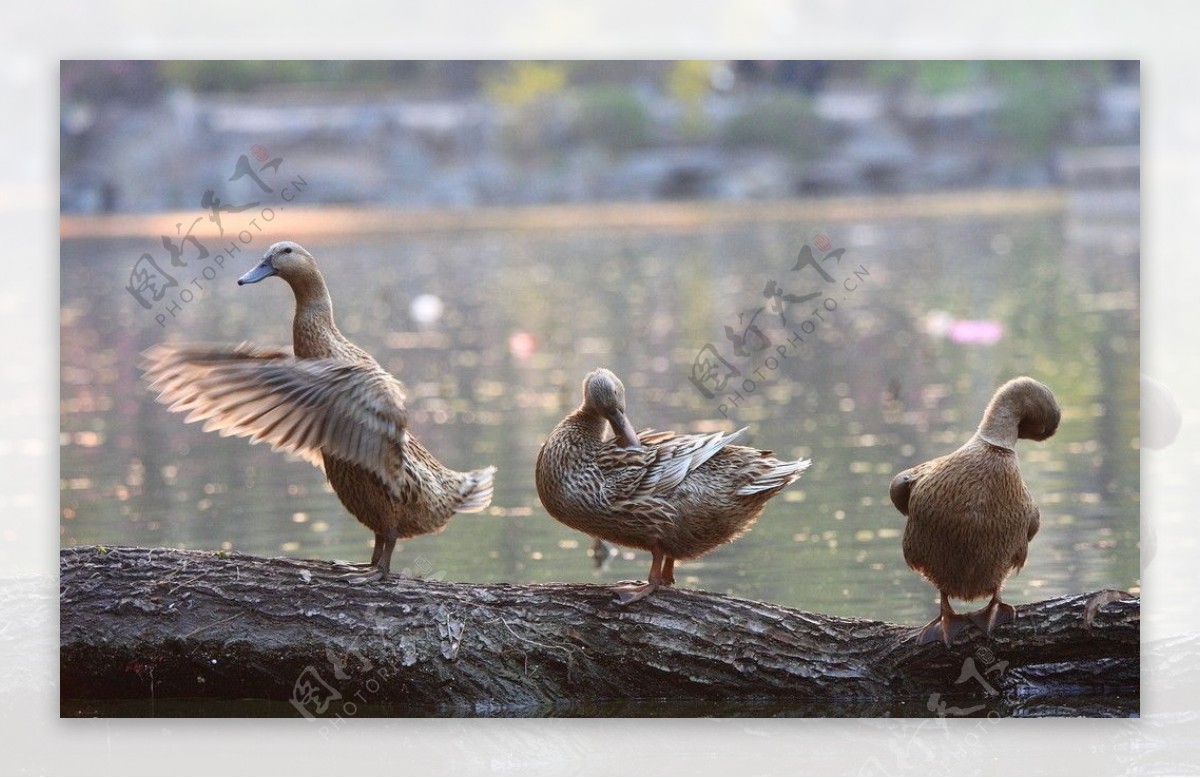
141, 623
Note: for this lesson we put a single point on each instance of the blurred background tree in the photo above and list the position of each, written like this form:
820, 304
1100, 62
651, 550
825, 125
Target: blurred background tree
785, 122
688, 83
1042, 99
526, 92
474, 132
521, 84
613, 117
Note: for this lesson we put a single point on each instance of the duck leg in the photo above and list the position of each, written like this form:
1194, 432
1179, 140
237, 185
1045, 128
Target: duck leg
381, 558
945, 627
375, 554
635, 593
993, 615
668, 571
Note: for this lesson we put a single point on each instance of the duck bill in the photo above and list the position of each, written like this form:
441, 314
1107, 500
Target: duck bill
623, 430
260, 271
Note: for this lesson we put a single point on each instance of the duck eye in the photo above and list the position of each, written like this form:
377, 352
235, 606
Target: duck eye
287, 250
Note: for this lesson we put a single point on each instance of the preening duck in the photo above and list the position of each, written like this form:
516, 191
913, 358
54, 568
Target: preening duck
970, 515
676, 496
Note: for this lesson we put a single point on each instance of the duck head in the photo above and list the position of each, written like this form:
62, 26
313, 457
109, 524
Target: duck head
604, 396
1021, 408
285, 259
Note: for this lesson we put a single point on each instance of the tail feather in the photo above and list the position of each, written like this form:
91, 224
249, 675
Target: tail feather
779, 476
478, 489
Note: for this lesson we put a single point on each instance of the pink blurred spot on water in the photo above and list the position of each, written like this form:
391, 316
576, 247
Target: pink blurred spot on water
522, 345
982, 331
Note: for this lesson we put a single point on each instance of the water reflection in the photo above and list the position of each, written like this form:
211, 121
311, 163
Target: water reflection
1090, 706
521, 317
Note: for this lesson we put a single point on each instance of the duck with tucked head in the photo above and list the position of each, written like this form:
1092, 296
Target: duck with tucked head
676, 496
327, 401
970, 515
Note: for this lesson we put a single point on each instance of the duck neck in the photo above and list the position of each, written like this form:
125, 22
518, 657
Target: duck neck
314, 335
589, 423
999, 425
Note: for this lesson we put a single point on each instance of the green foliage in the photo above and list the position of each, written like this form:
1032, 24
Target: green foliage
237, 75
528, 90
888, 72
931, 77
520, 84
1040, 99
782, 121
248, 75
688, 82
613, 117
940, 77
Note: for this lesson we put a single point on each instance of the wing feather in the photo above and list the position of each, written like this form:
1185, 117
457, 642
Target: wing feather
658, 465
352, 410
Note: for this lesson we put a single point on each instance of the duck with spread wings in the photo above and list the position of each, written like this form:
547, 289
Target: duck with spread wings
327, 401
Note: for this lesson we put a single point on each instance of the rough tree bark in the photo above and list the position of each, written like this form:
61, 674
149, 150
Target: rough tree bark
142, 623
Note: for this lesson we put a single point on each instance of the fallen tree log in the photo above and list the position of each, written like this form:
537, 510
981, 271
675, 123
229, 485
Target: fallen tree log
142, 623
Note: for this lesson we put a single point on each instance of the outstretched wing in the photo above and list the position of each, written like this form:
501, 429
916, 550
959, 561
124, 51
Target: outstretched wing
353, 411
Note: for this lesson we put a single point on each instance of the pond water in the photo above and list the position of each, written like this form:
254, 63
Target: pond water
492, 330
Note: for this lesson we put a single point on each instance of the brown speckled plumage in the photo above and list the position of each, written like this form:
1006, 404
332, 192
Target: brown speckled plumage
329, 402
970, 516
676, 496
